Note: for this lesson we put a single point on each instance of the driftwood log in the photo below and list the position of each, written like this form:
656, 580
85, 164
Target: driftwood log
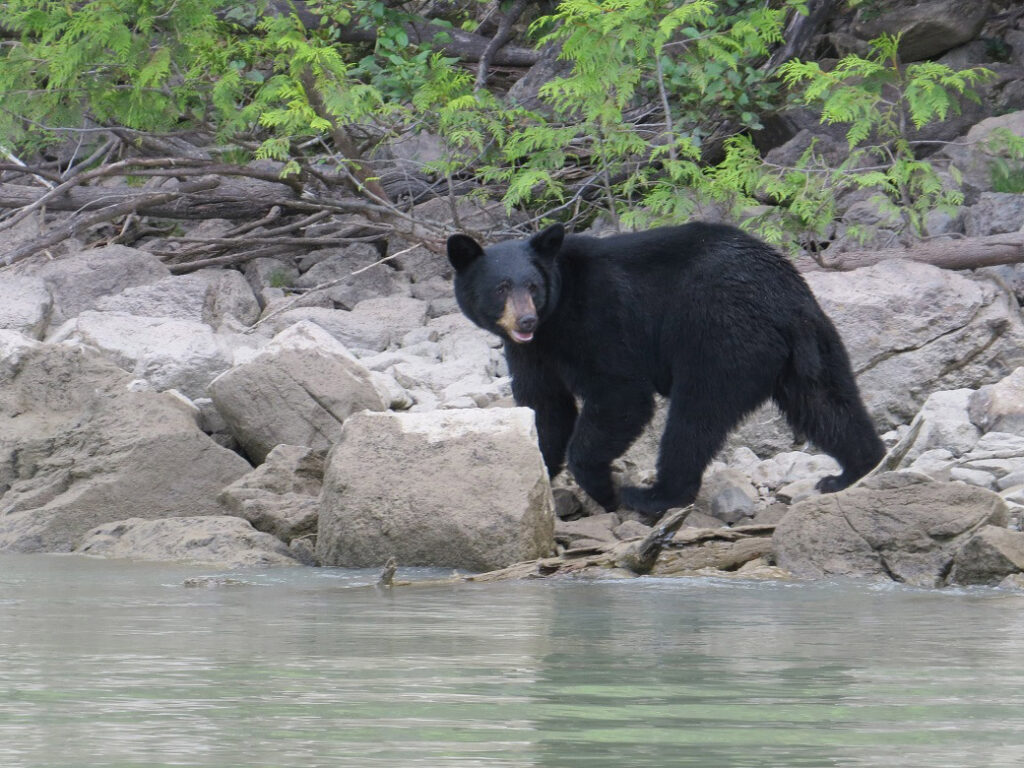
951, 253
665, 551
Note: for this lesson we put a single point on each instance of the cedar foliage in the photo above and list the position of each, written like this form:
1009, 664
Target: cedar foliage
653, 121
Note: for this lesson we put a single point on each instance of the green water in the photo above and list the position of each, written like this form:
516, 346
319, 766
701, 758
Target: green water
115, 664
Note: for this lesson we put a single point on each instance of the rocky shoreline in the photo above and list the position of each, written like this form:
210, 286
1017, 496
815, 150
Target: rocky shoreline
154, 416
335, 409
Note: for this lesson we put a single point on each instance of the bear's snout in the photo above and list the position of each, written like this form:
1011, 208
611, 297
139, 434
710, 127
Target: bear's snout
519, 320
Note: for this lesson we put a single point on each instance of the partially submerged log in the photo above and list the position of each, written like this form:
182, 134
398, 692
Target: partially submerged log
665, 551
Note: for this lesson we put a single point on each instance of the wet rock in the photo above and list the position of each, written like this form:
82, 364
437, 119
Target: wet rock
988, 557
899, 526
717, 554
281, 496
298, 390
78, 448
220, 541
465, 489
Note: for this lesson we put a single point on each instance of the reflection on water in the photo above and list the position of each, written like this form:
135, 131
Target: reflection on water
117, 664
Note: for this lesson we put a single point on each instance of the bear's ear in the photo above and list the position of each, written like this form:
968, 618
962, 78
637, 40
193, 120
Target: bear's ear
549, 240
463, 250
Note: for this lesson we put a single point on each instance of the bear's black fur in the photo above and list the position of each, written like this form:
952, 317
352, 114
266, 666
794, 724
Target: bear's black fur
702, 313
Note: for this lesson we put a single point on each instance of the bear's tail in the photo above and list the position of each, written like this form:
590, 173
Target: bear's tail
818, 394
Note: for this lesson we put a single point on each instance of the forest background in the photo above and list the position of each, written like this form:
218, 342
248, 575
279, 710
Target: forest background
323, 123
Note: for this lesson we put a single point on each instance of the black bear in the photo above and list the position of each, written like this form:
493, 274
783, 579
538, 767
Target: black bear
705, 314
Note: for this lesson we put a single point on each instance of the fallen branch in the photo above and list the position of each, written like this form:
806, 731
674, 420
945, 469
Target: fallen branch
502, 36
77, 224
961, 253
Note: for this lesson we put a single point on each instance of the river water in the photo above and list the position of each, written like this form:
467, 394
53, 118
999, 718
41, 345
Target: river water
120, 664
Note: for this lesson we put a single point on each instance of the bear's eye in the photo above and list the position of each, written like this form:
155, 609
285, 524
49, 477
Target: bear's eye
533, 288
503, 289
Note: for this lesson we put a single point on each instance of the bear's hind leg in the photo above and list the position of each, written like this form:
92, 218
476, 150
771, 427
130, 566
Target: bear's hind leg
831, 415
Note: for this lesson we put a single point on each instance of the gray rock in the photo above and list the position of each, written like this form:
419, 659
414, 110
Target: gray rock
25, 305
595, 528
999, 407
900, 526
927, 28
698, 519
77, 282
374, 324
298, 390
727, 495
78, 448
208, 296
168, 353
973, 157
995, 213
974, 477
989, 556
281, 496
221, 541
463, 489
912, 329
942, 423
356, 280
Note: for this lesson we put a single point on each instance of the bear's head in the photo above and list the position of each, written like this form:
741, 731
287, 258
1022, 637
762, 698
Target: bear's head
508, 288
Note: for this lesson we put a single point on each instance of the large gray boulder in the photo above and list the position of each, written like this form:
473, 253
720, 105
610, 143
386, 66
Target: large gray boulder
900, 526
462, 489
352, 277
78, 448
912, 329
373, 324
989, 556
298, 390
210, 296
167, 352
79, 281
999, 407
220, 541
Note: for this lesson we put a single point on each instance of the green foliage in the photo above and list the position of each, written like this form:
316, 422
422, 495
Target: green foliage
653, 121
1006, 150
879, 99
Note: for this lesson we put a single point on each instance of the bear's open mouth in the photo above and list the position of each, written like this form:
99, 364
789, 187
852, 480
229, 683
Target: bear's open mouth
521, 337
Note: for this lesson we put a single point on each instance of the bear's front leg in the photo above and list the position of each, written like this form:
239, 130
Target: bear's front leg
604, 430
536, 386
